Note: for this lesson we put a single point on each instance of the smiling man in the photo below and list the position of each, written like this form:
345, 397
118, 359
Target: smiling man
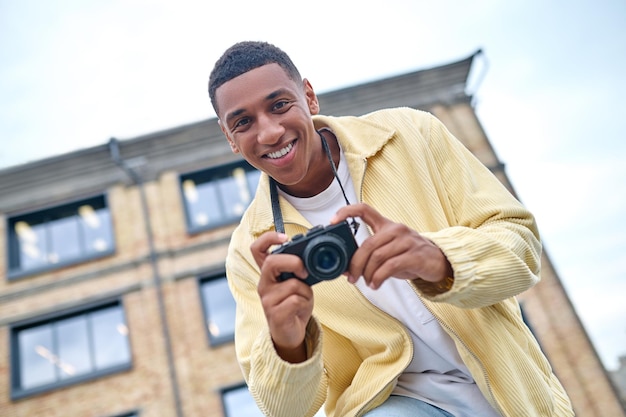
424, 321
267, 118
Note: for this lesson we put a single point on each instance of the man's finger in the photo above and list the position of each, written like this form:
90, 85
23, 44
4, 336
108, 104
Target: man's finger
260, 247
370, 216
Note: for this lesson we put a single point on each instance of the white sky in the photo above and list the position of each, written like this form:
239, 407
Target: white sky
74, 73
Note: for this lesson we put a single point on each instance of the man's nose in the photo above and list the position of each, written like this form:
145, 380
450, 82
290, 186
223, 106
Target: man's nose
270, 130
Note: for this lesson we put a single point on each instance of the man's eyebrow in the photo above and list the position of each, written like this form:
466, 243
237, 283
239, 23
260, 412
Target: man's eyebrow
276, 93
233, 114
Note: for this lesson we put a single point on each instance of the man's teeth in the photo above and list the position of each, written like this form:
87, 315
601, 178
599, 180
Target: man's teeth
284, 151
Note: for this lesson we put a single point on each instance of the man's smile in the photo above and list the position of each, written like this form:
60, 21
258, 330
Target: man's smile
281, 152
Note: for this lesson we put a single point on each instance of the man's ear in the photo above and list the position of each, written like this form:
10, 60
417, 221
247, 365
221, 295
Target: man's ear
311, 97
233, 147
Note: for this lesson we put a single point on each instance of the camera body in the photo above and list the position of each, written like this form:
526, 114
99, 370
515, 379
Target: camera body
325, 250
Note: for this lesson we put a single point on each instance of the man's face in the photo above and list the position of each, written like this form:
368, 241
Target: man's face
266, 116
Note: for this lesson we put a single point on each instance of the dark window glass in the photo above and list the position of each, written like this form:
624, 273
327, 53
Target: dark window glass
36, 360
218, 196
110, 336
525, 317
60, 231
31, 244
72, 350
239, 402
69, 348
59, 236
219, 309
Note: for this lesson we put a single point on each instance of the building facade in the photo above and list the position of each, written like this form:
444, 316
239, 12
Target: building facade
619, 379
113, 299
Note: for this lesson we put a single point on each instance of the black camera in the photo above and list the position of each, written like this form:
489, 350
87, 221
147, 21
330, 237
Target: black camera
325, 251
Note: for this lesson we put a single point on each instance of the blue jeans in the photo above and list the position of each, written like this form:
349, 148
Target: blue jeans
399, 406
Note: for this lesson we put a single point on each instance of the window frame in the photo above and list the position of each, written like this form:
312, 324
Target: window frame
134, 413
13, 246
17, 392
213, 341
207, 175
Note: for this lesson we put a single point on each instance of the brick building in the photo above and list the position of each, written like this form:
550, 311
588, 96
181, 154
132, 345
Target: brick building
113, 299
619, 379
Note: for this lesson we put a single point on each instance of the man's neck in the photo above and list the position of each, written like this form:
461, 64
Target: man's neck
323, 172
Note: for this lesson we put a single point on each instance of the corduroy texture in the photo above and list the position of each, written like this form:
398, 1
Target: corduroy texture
407, 165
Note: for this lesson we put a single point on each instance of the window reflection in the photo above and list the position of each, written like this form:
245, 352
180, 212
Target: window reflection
35, 357
110, 336
239, 402
208, 208
97, 229
59, 231
31, 243
218, 195
219, 308
60, 235
70, 347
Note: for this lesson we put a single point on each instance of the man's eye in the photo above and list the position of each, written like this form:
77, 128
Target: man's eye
241, 123
280, 105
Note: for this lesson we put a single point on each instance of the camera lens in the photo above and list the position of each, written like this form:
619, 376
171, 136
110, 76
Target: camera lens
325, 257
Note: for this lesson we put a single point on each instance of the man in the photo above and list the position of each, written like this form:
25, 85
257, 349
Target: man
425, 320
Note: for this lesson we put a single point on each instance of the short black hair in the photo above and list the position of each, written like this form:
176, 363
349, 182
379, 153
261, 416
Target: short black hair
245, 56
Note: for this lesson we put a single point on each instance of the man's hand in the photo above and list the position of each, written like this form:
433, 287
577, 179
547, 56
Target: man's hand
394, 250
288, 305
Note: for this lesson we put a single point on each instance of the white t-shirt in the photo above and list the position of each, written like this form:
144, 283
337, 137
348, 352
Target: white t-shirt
436, 375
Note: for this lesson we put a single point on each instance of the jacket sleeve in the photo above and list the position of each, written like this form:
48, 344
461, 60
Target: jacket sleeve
492, 242
280, 389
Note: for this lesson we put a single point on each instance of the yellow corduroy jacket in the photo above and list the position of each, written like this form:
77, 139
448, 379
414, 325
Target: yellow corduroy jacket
412, 170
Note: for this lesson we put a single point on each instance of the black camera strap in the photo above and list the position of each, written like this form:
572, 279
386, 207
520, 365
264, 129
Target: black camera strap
279, 225
278, 215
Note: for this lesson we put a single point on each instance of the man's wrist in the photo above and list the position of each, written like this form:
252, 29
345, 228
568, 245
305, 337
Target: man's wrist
292, 355
445, 284
434, 288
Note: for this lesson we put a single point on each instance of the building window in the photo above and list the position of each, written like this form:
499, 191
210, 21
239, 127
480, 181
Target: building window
219, 309
237, 401
70, 348
131, 414
59, 236
525, 317
218, 196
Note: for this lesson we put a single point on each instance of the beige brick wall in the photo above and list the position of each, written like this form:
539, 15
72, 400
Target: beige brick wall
201, 369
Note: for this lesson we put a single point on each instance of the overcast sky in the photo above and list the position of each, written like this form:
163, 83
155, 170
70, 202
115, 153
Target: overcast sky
74, 73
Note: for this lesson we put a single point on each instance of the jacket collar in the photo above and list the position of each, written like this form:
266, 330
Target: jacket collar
359, 138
